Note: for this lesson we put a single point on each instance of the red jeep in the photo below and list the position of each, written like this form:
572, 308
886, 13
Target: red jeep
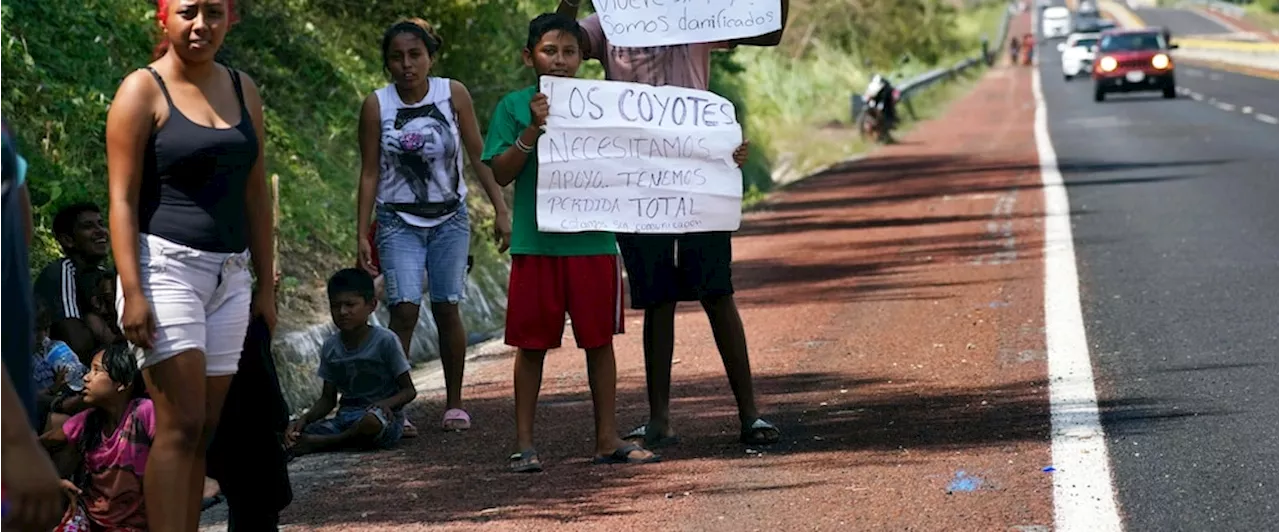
1133, 60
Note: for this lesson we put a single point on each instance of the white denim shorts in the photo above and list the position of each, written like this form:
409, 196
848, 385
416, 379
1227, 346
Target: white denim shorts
200, 300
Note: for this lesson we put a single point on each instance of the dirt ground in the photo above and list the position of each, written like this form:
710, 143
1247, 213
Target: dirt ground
894, 313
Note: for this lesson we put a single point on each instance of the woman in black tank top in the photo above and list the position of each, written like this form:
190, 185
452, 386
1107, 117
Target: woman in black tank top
187, 184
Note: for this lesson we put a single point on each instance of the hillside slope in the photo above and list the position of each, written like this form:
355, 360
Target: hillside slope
316, 59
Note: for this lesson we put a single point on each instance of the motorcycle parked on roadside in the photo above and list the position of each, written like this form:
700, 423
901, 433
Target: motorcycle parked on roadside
879, 110
879, 114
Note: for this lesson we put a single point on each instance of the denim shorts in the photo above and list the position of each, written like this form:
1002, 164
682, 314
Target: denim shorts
407, 252
348, 416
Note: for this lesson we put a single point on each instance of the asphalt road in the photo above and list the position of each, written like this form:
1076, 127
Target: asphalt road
1230, 91
1180, 21
1175, 234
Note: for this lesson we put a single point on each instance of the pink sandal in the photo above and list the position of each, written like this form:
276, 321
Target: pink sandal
455, 414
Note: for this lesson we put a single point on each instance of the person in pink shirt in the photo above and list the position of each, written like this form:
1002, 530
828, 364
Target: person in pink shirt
665, 269
104, 449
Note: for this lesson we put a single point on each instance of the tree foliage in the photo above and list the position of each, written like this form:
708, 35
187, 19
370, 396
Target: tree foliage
878, 31
315, 60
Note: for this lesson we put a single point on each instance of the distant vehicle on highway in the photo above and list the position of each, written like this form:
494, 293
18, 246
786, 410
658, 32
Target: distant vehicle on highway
1133, 60
1091, 23
1087, 6
1055, 22
1078, 54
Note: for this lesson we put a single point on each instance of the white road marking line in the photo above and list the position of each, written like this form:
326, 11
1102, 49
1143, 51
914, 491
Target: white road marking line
1183, 90
1246, 110
1225, 106
1083, 493
1215, 76
1266, 118
1197, 96
1191, 72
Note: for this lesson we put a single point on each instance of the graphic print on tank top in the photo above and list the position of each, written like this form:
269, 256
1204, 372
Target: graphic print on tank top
420, 149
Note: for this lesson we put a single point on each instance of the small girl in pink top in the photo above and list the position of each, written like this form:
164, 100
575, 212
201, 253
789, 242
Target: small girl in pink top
104, 449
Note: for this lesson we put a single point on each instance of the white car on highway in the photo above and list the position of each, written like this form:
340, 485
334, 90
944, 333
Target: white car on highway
1078, 54
1055, 22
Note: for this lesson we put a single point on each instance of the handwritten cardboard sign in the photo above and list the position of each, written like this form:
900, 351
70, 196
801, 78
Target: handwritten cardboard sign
640, 23
634, 158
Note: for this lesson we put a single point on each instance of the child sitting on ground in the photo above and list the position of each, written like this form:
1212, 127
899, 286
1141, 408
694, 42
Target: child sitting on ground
364, 363
57, 371
105, 448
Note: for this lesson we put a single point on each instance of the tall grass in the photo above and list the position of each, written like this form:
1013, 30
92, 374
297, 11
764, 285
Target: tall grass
799, 104
791, 99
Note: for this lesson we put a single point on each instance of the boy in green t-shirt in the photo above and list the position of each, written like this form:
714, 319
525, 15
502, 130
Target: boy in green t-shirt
555, 273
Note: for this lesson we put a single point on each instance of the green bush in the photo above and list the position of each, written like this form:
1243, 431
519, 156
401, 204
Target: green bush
314, 65
315, 60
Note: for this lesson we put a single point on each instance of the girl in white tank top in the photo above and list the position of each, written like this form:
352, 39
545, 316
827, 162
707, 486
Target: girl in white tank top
412, 177
420, 166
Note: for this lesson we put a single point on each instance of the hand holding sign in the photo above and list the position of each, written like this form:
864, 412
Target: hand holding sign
539, 109
634, 158
637, 23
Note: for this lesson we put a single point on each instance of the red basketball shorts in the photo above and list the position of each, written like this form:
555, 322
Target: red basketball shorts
544, 288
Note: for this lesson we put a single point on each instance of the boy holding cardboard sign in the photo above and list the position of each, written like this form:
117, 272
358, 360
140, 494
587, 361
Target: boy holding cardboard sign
555, 273
664, 269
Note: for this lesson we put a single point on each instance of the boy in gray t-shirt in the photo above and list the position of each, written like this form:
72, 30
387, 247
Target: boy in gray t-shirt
364, 363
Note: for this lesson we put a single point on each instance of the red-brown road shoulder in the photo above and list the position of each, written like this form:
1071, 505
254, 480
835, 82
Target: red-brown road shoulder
894, 313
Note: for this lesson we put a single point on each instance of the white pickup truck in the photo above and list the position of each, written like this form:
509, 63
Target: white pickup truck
1055, 22
1078, 54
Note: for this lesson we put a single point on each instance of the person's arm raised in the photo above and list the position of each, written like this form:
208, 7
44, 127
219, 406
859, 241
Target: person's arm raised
595, 42
470, 129
130, 121
569, 8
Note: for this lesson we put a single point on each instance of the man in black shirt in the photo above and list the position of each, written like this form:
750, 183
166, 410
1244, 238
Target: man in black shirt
82, 233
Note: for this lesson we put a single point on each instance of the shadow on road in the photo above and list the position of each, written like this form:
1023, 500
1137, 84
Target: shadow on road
461, 478
891, 179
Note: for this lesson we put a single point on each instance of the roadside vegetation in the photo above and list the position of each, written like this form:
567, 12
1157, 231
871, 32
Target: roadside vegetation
316, 59
1264, 13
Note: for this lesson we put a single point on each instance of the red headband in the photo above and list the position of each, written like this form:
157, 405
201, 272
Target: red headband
162, 11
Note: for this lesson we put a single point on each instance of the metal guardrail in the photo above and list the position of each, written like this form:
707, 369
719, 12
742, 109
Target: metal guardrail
927, 79
1227, 8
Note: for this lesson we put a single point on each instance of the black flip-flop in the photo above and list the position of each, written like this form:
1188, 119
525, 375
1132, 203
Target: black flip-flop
525, 461
760, 432
642, 433
622, 455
